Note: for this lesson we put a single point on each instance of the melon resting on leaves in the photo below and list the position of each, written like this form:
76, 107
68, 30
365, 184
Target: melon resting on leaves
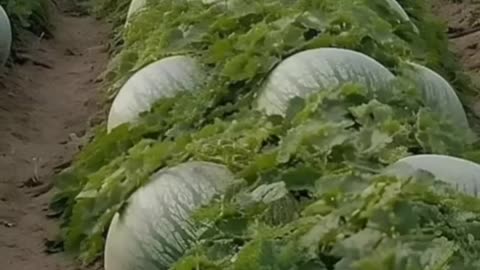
154, 230
462, 174
397, 8
135, 7
5, 36
310, 71
438, 94
163, 78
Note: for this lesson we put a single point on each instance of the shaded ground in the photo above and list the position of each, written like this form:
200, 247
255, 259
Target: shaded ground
45, 105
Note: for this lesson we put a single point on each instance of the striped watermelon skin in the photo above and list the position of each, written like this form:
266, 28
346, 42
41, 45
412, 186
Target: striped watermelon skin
397, 8
438, 94
135, 7
463, 175
310, 71
161, 79
154, 230
5, 37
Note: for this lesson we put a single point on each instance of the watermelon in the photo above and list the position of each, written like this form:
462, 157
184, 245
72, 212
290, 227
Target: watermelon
314, 70
154, 230
5, 37
463, 175
438, 94
163, 78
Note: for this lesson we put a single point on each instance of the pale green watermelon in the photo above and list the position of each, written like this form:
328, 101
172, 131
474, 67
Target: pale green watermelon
438, 94
164, 78
154, 230
310, 71
5, 37
462, 174
135, 6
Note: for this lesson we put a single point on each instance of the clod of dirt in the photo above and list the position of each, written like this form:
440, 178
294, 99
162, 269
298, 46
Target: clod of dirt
25, 58
31, 182
71, 52
473, 46
6, 224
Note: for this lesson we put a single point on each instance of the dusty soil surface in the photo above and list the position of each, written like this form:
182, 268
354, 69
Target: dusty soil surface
45, 105
463, 20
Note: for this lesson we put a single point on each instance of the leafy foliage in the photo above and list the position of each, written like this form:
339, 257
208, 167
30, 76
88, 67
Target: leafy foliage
115, 11
349, 222
29, 15
321, 161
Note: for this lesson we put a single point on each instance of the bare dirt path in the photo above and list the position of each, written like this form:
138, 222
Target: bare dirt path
463, 21
42, 103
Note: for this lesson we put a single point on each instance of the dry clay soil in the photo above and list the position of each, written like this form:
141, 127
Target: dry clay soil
46, 104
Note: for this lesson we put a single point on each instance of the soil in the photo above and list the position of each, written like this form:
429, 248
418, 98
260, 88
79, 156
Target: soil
45, 107
463, 21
